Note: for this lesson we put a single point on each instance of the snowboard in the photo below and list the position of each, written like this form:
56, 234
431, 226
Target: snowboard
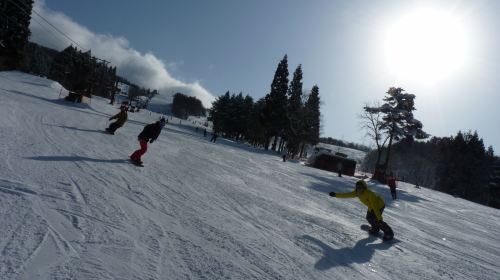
136, 163
379, 234
367, 228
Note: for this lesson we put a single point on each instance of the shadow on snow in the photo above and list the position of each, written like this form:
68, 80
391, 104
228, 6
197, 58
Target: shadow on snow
76, 158
76, 128
362, 252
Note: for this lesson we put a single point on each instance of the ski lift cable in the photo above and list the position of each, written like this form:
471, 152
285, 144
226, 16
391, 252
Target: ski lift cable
51, 25
64, 34
44, 19
53, 36
48, 31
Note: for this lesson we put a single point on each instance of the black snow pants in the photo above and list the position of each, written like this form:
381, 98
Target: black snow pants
393, 193
376, 226
113, 127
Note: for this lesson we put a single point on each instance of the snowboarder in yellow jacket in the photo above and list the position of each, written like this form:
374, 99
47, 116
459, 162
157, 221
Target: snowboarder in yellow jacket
375, 205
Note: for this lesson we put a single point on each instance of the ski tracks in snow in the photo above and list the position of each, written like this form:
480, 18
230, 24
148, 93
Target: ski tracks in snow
30, 240
73, 208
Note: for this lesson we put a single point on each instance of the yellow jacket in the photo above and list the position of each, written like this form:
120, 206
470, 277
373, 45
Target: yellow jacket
368, 198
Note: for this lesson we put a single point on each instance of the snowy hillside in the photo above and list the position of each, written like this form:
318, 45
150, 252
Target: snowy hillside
73, 207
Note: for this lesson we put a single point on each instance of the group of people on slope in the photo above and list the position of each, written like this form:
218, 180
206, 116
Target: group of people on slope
149, 134
373, 201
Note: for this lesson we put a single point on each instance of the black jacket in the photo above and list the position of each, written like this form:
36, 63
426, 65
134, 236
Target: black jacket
150, 131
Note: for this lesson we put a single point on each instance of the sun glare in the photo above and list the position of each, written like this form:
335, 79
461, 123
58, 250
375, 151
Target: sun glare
425, 46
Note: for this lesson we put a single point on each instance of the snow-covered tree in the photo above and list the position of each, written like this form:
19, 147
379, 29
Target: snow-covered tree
397, 120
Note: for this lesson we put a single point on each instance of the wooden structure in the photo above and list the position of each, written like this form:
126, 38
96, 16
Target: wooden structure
77, 97
331, 162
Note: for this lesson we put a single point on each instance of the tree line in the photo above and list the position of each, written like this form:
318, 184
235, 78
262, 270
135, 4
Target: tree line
284, 118
184, 106
459, 165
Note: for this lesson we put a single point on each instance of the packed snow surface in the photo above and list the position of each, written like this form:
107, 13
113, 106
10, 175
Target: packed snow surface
73, 207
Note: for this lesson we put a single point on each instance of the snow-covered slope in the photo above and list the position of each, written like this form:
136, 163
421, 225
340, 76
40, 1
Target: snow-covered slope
72, 207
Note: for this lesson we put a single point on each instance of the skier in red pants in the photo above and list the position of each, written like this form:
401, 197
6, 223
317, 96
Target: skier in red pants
149, 133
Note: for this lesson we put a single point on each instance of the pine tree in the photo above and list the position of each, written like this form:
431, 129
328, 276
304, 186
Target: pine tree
256, 128
218, 112
15, 19
246, 112
62, 65
276, 102
464, 167
312, 117
397, 121
295, 112
182, 105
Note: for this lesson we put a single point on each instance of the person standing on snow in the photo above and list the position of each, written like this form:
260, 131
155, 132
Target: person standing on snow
375, 205
339, 168
149, 133
391, 182
284, 154
121, 118
214, 137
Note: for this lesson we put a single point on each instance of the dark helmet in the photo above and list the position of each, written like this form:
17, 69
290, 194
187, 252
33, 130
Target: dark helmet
361, 184
162, 121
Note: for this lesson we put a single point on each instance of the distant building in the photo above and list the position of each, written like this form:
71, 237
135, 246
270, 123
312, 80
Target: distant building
326, 160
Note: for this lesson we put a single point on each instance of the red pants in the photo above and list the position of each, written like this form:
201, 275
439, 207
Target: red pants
138, 154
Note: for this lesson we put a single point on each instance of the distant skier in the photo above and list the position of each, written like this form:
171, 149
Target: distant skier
121, 118
375, 205
214, 137
204, 132
391, 182
285, 153
149, 133
339, 168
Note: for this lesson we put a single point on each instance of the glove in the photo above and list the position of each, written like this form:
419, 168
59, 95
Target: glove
151, 141
332, 194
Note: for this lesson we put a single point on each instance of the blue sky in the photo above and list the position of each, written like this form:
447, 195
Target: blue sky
343, 46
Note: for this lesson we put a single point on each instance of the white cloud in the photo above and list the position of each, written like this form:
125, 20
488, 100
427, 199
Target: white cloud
143, 69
